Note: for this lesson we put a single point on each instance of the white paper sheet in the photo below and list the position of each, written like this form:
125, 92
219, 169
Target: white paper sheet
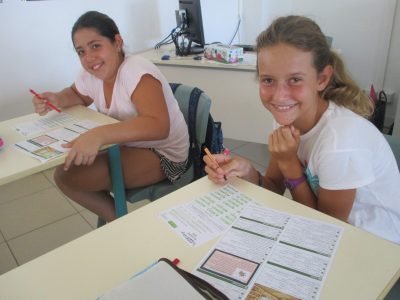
207, 216
48, 146
51, 121
267, 253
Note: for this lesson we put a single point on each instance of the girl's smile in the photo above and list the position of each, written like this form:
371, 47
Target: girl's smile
98, 55
289, 86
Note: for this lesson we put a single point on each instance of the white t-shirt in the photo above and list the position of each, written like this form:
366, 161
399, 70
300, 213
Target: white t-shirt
346, 151
176, 146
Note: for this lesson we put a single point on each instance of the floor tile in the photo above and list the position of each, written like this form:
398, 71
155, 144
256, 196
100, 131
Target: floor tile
23, 187
134, 206
44, 239
77, 206
259, 168
287, 194
232, 144
90, 217
31, 212
7, 261
255, 152
49, 175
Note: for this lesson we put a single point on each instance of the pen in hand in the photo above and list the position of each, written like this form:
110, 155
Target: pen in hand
53, 107
210, 156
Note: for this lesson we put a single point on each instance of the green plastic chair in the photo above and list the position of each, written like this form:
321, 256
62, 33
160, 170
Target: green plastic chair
394, 143
152, 192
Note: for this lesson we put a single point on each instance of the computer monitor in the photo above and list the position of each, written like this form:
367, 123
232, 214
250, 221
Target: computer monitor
190, 19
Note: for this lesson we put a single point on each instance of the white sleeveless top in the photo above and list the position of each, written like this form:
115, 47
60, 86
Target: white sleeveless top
175, 146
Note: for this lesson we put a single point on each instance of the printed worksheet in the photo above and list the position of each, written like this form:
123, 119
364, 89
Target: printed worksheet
49, 145
267, 254
51, 121
207, 216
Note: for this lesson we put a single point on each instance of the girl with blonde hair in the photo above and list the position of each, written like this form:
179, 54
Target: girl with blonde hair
323, 149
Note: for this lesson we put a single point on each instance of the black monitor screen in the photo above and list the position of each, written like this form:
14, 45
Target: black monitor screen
193, 21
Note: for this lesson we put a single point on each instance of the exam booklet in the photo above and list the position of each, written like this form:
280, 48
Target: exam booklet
269, 254
164, 280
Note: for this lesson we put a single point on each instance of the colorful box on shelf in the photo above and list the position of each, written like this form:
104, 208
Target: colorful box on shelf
223, 53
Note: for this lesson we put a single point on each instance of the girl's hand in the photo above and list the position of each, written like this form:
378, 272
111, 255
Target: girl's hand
83, 150
228, 167
40, 104
283, 144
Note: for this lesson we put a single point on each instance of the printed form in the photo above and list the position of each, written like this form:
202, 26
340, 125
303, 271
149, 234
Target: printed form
207, 216
51, 121
48, 144
268, 254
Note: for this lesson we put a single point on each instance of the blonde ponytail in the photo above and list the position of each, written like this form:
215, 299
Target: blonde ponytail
344, 91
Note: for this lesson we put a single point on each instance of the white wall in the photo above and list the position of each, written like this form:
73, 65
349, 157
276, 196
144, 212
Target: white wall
392, 76
36, 50
360, 29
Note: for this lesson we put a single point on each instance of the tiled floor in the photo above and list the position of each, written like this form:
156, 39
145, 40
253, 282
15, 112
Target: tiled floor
35, 217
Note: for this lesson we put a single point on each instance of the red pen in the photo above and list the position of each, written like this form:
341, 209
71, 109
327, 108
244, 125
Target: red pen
47, 103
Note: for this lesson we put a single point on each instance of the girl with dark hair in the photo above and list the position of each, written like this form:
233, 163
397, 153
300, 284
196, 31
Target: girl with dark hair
323, 150
152, 130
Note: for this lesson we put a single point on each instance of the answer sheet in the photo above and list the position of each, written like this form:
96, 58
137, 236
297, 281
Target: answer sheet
51, 121
268, 254
48, 145
207, 216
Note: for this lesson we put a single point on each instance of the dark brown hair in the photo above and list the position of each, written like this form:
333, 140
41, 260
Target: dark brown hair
100, 22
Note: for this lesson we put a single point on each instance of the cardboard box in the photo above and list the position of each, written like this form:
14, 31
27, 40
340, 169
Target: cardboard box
223, 53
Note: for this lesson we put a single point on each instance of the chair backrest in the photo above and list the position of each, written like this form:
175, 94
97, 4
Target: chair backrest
182, 94
152, 192
394, 143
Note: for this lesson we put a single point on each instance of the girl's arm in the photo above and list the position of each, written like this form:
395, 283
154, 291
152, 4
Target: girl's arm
337, 203
283, 144
70, 97
63, 99
152, 123
273, 179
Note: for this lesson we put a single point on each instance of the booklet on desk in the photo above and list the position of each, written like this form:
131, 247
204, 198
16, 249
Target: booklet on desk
164, 280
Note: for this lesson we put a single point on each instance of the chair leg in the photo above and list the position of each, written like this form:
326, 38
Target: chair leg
100, 222
117, 179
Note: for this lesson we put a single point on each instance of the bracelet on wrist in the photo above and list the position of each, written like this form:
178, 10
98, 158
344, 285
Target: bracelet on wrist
291, 184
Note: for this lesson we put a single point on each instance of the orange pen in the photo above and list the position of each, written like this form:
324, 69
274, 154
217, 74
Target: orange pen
210, 156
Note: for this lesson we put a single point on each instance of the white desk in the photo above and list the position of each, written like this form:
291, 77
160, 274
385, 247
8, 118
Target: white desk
364, 267
14, 164
233, 89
